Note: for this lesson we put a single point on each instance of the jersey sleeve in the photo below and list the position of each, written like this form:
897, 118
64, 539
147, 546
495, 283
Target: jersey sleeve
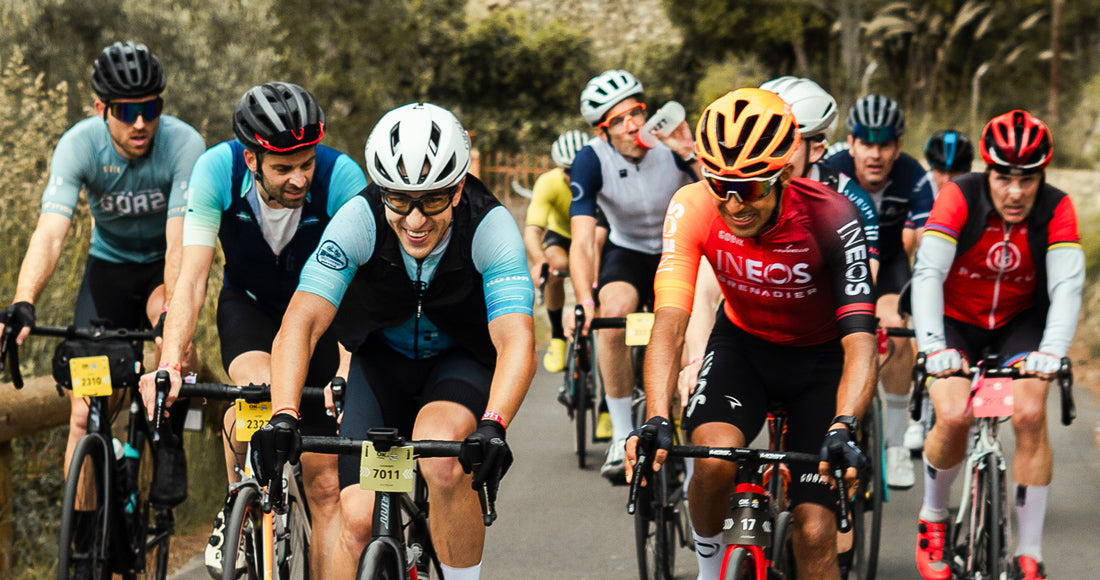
188, 146
846, 258
346, 182
347, 244
866, 207
948, 215
586, 181
208, 196
1062, 228
538, 211
70, 158
499, 255
687, 225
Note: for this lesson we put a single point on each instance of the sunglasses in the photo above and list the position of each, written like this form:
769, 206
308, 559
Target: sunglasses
636, 112
129, 112
429, 204
744, 191
873, 136
293, 139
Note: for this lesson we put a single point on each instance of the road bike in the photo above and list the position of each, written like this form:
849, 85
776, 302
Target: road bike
980, 531
758, 529
582, 390
111, 519
259, 541
400, 547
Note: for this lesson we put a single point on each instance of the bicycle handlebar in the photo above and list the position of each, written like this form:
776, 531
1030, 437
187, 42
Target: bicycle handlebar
251, 393
9, 350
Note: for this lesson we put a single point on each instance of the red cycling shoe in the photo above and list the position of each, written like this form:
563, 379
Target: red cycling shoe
931, 562
1026, 568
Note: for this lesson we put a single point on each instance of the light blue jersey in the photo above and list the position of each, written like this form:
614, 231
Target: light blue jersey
130, 199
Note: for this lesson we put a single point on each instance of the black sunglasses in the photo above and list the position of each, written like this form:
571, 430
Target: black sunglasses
129, 112
429, 204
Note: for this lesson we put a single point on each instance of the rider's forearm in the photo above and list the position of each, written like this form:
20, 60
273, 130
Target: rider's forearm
532, 242
186, 303
307, 317
173, 233
662, 359
41, 257
514, 338
859, 374
1065, 282
582, 256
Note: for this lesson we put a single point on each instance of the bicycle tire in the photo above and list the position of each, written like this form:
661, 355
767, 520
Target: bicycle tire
739, 565
89, 457
292, 554
783, 564
867, 503
580, 415
243, 542
379, 562
989, 556
654, 532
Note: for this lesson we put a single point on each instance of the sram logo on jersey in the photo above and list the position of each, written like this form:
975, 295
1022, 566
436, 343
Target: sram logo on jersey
857, 273
133, 203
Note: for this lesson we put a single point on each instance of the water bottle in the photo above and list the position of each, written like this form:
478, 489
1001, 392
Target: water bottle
664, 121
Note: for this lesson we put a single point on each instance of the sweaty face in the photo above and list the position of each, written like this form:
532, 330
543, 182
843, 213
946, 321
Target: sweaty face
624, 120
1013, 195
873, 161
284, 180
420, 234
131, 140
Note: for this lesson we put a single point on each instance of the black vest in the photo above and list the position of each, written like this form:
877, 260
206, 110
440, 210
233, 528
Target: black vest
975, 189
381, 295
250, 265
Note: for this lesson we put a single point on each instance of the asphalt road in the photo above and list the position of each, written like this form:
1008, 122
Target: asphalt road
557, 521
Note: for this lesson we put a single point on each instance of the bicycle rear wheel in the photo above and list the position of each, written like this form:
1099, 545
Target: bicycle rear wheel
868, 499
84, 545
379, 562
242, 548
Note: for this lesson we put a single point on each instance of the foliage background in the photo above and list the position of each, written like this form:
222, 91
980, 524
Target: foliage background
512, 71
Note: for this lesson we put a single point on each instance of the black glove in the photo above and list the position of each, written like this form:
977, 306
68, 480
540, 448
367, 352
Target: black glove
839, 450
273, 445
486, 455
17, 316
660, 427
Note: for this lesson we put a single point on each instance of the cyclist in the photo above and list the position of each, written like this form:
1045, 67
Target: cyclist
1005, 245
949, 154
797, 324
632, 185
903, 195
423, 277
547, 238
133, 164
268, 195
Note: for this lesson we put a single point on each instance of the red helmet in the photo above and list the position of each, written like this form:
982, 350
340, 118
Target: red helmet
1016, 143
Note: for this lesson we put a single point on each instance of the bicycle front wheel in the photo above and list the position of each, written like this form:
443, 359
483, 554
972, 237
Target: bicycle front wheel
581, 394
654, 529
242, 548
988, 546
867, 501
379, 562
84, 546
149, 527
739, 565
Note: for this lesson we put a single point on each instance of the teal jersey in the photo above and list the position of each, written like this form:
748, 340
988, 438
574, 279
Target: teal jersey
130, 199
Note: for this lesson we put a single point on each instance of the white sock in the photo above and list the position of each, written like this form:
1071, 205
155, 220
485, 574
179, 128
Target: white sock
709, 553
1031, 510
471, 573
621, 418
897, 418
937, 489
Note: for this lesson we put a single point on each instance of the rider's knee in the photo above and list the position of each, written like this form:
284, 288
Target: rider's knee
356, 511
443, 473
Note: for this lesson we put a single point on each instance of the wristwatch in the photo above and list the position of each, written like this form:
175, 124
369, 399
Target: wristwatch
849, 421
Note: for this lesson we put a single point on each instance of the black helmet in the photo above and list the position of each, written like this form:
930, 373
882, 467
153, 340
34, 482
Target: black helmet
126, 70
278, 117
876, 119
949, 151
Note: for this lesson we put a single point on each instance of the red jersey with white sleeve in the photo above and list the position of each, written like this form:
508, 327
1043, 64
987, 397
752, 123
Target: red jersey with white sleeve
803, 280
993, 280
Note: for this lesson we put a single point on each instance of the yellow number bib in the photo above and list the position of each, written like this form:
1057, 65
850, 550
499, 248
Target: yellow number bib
91, 376
638, 326
250, 417
389, 471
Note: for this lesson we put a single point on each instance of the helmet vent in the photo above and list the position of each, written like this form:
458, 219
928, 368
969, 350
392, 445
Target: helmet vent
766, 137
433, 139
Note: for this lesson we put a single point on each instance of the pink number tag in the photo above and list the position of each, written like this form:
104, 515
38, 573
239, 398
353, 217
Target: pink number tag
993, 398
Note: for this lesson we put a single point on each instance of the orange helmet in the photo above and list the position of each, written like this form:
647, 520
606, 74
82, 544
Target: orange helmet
746, 134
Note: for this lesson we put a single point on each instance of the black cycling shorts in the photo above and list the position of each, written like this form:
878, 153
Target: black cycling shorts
245, 325
388, 389
1021, 334
893, 274
635, 268
552, 238
750, 376
117, 293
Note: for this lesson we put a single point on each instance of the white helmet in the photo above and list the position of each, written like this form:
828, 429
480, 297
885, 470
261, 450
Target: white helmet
813, 107
418, 147
605, 91
565, 148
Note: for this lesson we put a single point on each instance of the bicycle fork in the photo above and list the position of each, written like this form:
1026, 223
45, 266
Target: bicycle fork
986, 455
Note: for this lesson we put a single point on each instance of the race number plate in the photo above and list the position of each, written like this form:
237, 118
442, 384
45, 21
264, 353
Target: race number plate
638, 326
386, 471
250, 417
91, 376
749, 522
993, 398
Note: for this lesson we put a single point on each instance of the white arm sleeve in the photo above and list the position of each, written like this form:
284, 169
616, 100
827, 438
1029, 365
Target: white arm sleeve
934, 259
1065, 280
